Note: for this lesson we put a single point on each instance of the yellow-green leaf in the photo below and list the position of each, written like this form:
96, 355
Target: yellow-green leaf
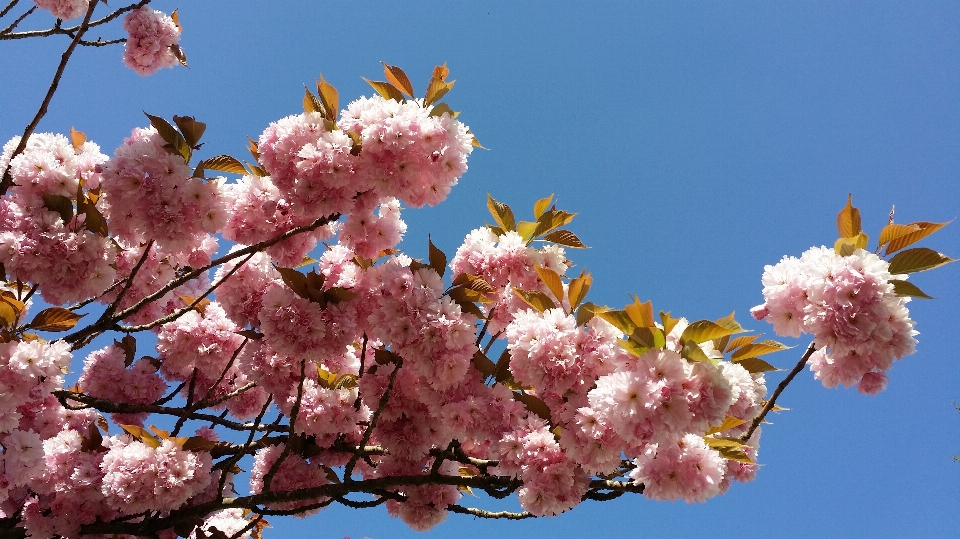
620, 319
633, 347
717, 443
758, 349
501, 213
541, 206
436, 90
346, 381
743, 340
538, 300
692, 352
906, 288
54, 319
386, 90
728, 423
668, 322
398, 78
705, 330
326, 378
527, 230
917, 259
919, 231
650, 337
552, 280
586, 312
440, 108
848, 220
755, 365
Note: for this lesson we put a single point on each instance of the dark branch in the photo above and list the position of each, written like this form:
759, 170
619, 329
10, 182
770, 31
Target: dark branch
783, 385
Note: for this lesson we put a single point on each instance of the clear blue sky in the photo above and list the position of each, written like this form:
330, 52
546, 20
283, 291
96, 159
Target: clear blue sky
697, 140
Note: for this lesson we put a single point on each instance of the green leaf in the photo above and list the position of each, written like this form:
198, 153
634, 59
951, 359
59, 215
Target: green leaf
717, 443
586, 312
565, 238
755, 365
633, 347
541, 206
438, 260
501, 213
534, 404
620, 319
398, 78
906, 288
59, 204
848, 220
191, 129
692, 352
758, 349
386, 90
54, 319
538, 300
705, 330
917, 232
223, 163
650, 337
917, 259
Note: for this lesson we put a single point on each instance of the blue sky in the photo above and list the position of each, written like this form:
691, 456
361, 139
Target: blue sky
697, 140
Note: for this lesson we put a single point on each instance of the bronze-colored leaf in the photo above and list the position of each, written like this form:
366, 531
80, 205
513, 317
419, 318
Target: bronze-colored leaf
758, 349
503, 373
77, 138
920, 230
578, 288
743, 340
129, 346
398, 78
586, 312
442, 108
755, 365
705, 330
906, 288
917, 259
551, 220
10, 309
691, 351
170, 135
650, 337
541, 206
198, 443
257, 171
253, 148
92, 441
200, 307
330, 99
633, 347
483, 364
736, 454
641, 314
620, 319
191, 129
250, 334
345, 381
383, 356
534, 404
441, 72
295, 280
668, 322
501, 213
848, 220
61, 205
552, 280
438, 260
538, 300
386, 90
175, 16
337, 294
565, 238
179, 54
94, 221
728, 423
311, 103
55, 319
224, 163
141, 434
436, 90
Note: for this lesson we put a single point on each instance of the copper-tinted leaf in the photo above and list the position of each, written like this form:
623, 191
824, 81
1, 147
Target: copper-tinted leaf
848, 220
692, 352
330, 99
337, 294
758, 349
175, 16
483, 364
705, 330
295, 280
311, 103
398, 78
92, 441
94, 221
755, 365
728, 423
552, 220
565, 238
436, 90
641, 314
198, 443
906, 288
345, 381
668, 322
224, 163
541, 206
501, 213
920, 230
534, 404
10, 309
386, 90
503, 373
200, 307
383, 356
55, 319
538, 300
250, 334
743, 340
191, 129
441, 72
620, 319
473, 141
258, 171
179, 54
578, 289
736, 454
129, 346
141, 434
77, 138
59, 204
441, 108
917, 259
438, 260
552, 280
170, 135
650, 337
253, 148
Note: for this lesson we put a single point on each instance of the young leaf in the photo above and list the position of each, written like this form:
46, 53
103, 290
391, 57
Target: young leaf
224, 163
330, 99
386, 90
177, 144
501, 213
620, 319
668, 322
311, 103
534, 404
503, 373
179, 54
253, 148
541, 206
198, 443
586, 312
141, 434
473, 282
728, 423
438, 260
919, 231
398, 78
641, 314
917, 259
565, 238
538, 300
436, 90
10, 309
483, 364
848, 220
77, 138
578, 289
755, 365
441, 72
527, 230
758, 349
441, 108
906, 288
692, 352
705, 330
59, 204
295, 280
742, 341
633, 347
54, 319
650, 337
552, 280
192, 129
94, 221
129, 346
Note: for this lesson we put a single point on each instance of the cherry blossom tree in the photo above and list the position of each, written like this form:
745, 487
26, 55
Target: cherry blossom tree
364, 376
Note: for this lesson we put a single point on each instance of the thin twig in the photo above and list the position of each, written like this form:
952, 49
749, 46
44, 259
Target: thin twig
783, 385
57, 29
15, 23
348, 471
482, 513
9, 7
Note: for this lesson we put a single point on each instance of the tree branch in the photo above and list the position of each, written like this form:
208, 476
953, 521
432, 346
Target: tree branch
783, 385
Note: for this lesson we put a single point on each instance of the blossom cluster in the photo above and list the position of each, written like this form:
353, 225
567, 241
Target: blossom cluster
859, 324
151, 38
64, 9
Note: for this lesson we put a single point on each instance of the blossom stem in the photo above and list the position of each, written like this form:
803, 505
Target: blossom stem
783, 385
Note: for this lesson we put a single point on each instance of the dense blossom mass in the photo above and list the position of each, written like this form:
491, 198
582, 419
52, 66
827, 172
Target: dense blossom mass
363, 366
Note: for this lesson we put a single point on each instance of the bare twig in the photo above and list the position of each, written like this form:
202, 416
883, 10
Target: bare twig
783, 385
10, 6
57, 29
348, 471
17, 22
482, 513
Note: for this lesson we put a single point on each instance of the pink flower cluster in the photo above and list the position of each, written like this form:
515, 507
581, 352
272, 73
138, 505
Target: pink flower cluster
860, 326
36, 245
151, 34
106, 377
64, 9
